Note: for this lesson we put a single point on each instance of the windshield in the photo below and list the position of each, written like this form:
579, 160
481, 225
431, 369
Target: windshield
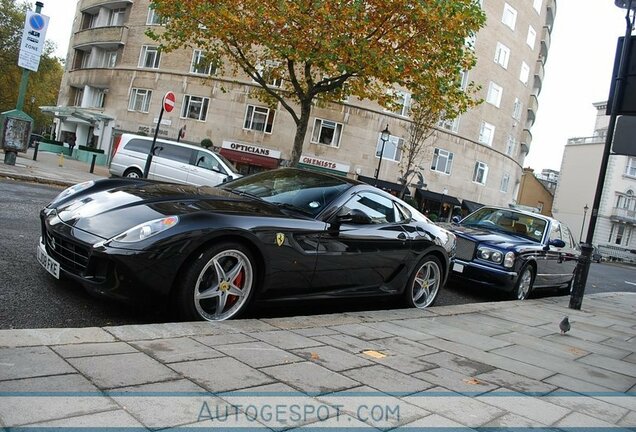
306, 191
509, 221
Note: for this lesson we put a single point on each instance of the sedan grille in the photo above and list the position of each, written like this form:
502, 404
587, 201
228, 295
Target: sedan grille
465, 249
70, 255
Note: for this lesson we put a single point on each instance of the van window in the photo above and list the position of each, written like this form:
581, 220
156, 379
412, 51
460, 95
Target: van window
139, 145
207, 161
175, 153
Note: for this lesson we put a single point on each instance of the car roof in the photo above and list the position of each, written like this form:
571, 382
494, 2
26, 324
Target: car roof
163, 140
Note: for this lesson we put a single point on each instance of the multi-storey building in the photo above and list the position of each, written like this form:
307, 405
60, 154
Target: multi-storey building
615, 230
115, 79
534, 194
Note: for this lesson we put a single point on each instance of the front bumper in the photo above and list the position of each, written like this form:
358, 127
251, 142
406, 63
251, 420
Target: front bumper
473, 272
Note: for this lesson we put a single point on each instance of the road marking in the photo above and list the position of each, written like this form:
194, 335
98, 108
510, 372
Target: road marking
631, 283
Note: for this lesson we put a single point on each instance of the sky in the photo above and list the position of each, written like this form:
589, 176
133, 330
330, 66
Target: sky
577, 72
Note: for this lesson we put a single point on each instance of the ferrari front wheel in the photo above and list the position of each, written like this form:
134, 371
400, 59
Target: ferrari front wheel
218, 285
425, 283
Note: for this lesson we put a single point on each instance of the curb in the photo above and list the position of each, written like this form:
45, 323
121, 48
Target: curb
34, 179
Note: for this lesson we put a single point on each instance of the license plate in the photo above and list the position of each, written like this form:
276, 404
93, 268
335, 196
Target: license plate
459, 268
49, 264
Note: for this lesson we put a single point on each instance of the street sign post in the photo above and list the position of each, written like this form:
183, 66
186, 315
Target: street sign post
33, 37
167, 104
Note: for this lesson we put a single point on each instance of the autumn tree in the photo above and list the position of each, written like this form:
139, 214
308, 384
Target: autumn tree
44, 85
318, 46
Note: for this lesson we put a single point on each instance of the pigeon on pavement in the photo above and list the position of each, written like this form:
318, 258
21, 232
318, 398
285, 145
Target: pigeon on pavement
564, 325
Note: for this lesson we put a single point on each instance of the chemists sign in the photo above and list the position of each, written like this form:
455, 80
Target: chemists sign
33, 38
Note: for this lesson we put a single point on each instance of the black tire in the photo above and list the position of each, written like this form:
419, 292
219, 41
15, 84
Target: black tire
424, 283
133, 173
217, 268
525, 281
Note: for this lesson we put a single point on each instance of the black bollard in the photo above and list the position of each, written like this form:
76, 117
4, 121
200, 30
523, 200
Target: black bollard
35, 150
93, 163
580, 276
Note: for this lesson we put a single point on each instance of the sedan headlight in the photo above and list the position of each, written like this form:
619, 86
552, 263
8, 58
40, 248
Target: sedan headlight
146, 230
509, 260
73, 190
490, 255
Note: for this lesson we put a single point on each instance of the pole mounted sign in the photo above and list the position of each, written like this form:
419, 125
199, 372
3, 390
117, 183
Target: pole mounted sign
168, 105
33, 37
168, 101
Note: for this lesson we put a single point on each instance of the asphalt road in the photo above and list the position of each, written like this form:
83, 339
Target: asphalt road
30, 298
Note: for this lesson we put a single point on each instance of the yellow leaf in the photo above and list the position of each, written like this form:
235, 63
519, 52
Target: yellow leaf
472, 381
374, 354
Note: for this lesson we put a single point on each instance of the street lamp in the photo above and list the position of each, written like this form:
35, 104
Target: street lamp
384, 136
585, 209
583, 265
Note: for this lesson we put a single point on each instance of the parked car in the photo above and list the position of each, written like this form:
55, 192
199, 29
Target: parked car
281, 234
515, 251
172, 162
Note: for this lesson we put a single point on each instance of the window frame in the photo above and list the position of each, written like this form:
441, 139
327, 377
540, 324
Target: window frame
630, 167
491, 136
316, 134
199, 54
396, 142
269, 119
509, 14
505, 182
448, 161
480, 167
494, 94
531, 38
502, 55
511, 145
188, 104
135, 93
524, 73
153, 18
517, 109
145, 49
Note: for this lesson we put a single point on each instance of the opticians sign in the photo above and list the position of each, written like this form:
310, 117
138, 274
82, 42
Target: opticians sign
33, 37
252, 149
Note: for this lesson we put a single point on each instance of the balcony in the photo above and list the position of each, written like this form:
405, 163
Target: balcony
587, 140
533, 106
526, 140
623, 215
546, 39
91, 6
550, 13
539, 73
105, 37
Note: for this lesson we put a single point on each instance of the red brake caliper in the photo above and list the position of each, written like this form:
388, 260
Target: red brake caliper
238, 281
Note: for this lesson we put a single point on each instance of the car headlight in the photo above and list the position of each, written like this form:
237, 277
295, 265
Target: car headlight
146, 230
509, 260
490, 255
73, 190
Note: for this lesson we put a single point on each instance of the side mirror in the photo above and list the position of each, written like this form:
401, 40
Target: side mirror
456, 219
558, 243
354, 216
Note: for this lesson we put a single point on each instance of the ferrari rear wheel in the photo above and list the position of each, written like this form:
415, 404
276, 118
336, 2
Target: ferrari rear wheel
425, 283
218, 284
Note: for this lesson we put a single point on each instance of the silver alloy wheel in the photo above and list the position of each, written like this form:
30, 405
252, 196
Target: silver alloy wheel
426, 284
223, 286
133, 174
525, 282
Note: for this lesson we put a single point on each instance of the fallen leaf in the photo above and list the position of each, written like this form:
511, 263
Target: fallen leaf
374, 354
315, 356
472, 381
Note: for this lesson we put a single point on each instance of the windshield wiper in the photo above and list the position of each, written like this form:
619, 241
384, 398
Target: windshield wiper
244, 194
287, 206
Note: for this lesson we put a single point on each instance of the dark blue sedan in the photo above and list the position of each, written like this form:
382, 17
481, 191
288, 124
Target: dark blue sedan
515, 251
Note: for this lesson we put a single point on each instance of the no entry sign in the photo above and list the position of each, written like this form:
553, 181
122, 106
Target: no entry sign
169, 101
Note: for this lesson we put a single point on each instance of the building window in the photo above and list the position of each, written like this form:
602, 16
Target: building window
442, 161
259, 119
449, 124
495, 92
85, 61
77, 96
88, 21
200, 65
536, 4
620, 232
265, 72
195, 107
139, 100
153, 17
532, 37
107, 59
486, 133
392, 148
511, 144
509, 17
505, 182
630, 169
463, 79
150, 57
99, 98
326, 132
502, 55
517, 109
480, 173
402, 103
116, 17
525, 73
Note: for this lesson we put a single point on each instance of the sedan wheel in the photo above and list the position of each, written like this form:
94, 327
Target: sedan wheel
133, 173
424, 283
524, 283
219, 284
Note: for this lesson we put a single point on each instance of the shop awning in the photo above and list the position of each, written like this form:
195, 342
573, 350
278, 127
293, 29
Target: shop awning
438, 197
76, 114
384, 185
471, 206
249, 158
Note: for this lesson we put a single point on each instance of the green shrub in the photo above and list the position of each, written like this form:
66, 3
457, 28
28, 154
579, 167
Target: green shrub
206, 142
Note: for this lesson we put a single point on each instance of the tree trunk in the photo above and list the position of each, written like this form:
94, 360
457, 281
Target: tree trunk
301, 131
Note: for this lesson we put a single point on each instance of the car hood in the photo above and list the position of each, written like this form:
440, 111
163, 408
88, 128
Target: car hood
495, 238
109, 212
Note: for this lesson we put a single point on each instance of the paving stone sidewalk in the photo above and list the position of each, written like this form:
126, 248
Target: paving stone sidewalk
498, 365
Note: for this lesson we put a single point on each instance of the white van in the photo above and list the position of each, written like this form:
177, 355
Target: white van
172, 162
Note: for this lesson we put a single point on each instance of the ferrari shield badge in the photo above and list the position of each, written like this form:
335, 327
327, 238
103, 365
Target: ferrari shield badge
280, 239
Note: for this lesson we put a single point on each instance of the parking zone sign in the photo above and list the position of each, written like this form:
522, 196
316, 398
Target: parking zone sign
33, 37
